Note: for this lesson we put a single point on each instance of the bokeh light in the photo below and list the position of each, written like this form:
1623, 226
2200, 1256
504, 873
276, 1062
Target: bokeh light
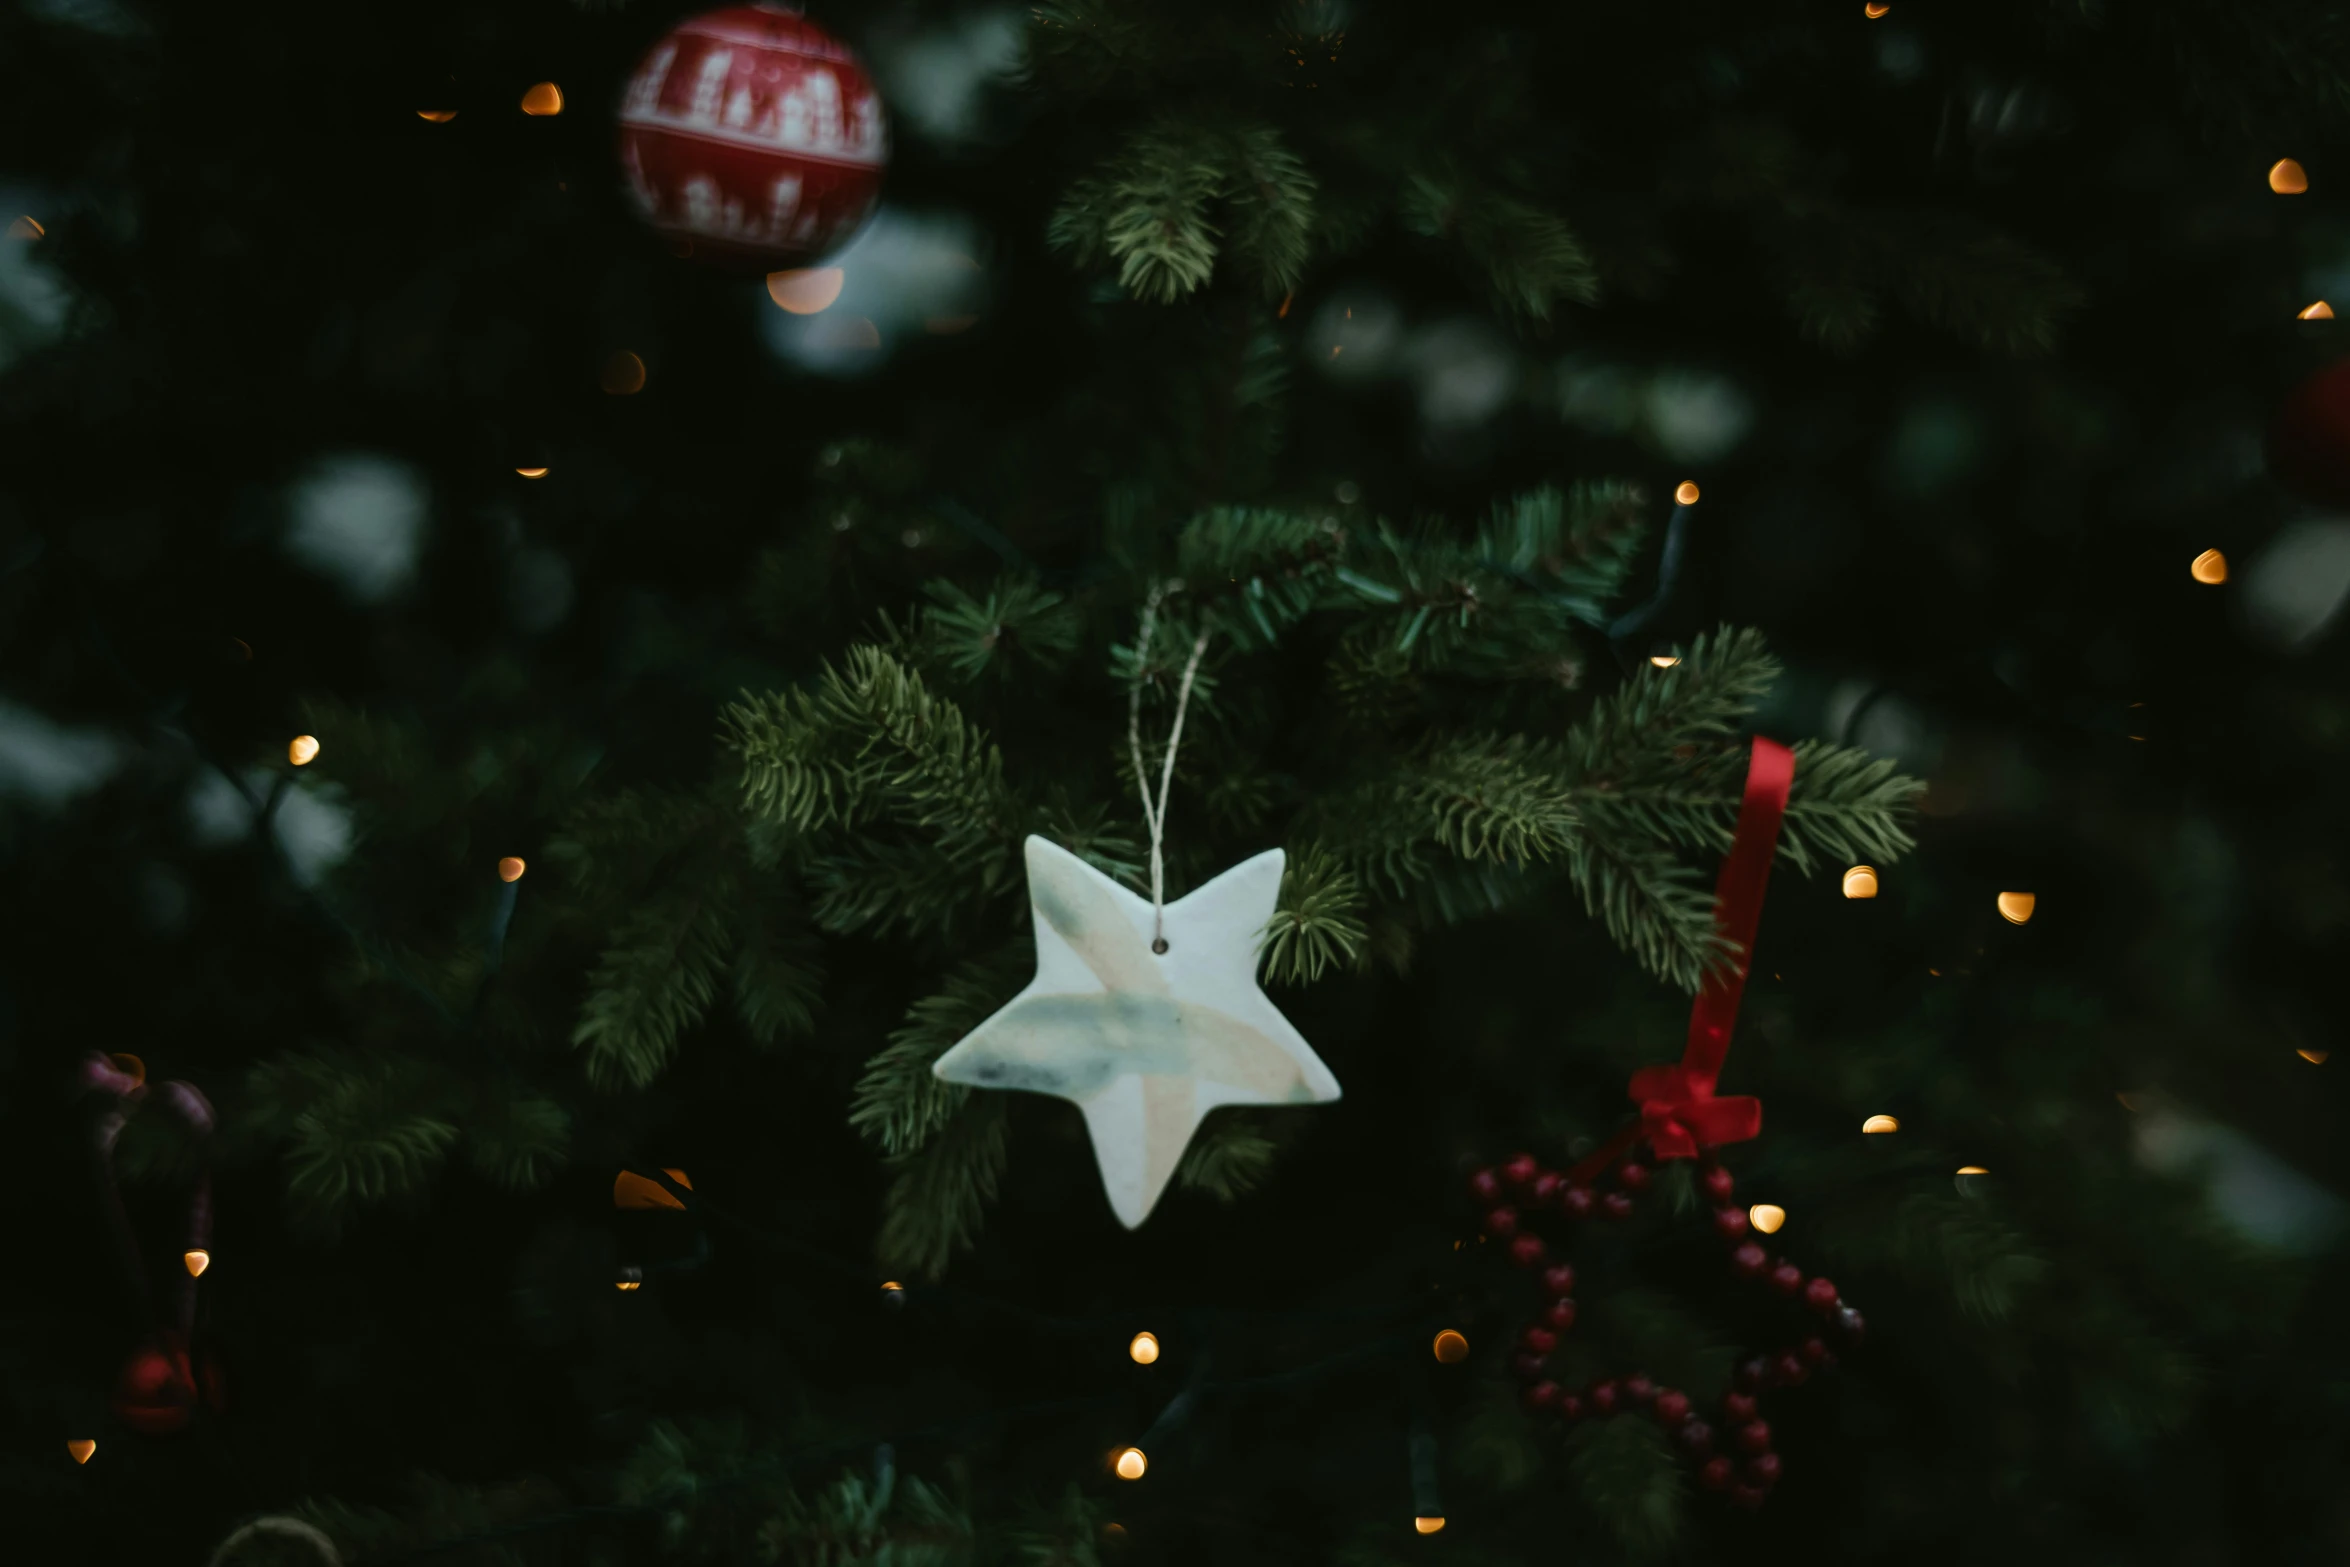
1880, 1123
1144, 1349
1685, 493
437, 116
1451, 1346
1130, 1463
543, 99
1860, 882
807, 290
1766, 1217
1427, 1525
2016, 907
2321, 311
81, 1447
511, 868
2209, 568
2287, 178
196, 1260
302, 750
624, 374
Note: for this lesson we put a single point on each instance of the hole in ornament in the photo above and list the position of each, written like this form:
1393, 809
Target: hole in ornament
2287, 178
1159, 945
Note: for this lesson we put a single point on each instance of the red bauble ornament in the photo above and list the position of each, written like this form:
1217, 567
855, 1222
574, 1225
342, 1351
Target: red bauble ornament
1526, 1250
2309, 443
157, 1392
753, 138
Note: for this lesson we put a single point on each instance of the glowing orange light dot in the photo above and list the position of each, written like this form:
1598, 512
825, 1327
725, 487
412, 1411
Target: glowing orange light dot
1880, 1123
2287, 178
1427, 1525
2321, 311
1283, 313
1766, 1217
543, 99
1130, 1463
631, 1190
1665, 660
627, 1284
511, 868
624, 374
302, 750
2016, 907
1972, 1169
1685, 493
437, 116
1144, 1349
2209, 568
130, 1064
26, 228
1451, 1346
806, 291
2314, 1057
532, 473
1860, 882
1875, 10
81, 1447
196, 1261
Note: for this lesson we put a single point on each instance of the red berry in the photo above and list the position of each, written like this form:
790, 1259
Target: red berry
1820, 1295
1502, 1223
1632, 1177
1616, 1205
1763, 1470
1697, 1439
1604, 1398
1814, 1351
1571, 1407
1561, 1315
1539, 1340
1789, 1370
1749, 1497
1755, 1436
1638, 1388
1521, 1170
1485, 1186
1558, 1279
1575, 1201
1750, 1374
1738, 1408
1849, 1323
1526, 1250
1526, 1365
1787, 1278
1547, 1184
1544, 1395
1750, 1260
1715, 1476
1729, 1223
1672, 1408
1715, 1182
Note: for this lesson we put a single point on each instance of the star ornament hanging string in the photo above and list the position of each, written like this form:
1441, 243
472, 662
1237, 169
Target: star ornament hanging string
1146, 1016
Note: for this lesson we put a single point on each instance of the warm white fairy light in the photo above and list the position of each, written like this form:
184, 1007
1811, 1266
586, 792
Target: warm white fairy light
302, 750
1766, 1217
1427, 1525
1860, 882
2209, 568
1130, 1463
196, 1261
1144, 1349
1686, 492
1880, 1123
2287, 178
543, 99
2016, 907
511, 868
81, 1447
1451, 1346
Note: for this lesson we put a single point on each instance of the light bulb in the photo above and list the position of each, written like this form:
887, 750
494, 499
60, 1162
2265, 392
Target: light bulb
1972, 1169
2287, 178
2016, 907
511, 868
1425, 1525
302, 750
1860, 882
196, 1261
1130, 1463
1880, 1123
1144, 1349
532, 473
81, 1447
2321, 311
1451, 1347
1766, 1217
543, 99
2209, 568
1664, 660
1685, 493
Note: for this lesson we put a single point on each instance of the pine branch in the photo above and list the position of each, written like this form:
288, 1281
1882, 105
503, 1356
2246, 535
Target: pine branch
937, 1202
359, 1129
898, 1105
1531, 259
1229, 1157
1652, 905
1318, 923
1630, 1478
1015, 628
656, 980
517, 1141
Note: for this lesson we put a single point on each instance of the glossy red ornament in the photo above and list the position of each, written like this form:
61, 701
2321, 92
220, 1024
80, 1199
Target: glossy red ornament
2309, 441
1715, 1182
1558, 1279
1814, 1351
1672, 1408
1750, 1260
1521, 1170
1755, 1436
1526, 1250
1638, 1388
1616, 1205
1561, 1315
1696, 1438
1729, 1223
1485, 1186
753, 139
1715, 1476
1764, 1470
1544, 1395
1604, 1398
158, 1390
1526, 1365
1737, 1408
1790, 1370
1546, 1186
1571, 1407
1575, 1202
1787, 1278
1502, 1223
1632, 1177
1820, 1295
1539, 1340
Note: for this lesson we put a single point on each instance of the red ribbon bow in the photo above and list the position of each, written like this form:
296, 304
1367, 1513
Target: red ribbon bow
1679, 1112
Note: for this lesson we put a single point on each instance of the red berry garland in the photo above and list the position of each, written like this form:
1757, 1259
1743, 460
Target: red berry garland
1748, 1435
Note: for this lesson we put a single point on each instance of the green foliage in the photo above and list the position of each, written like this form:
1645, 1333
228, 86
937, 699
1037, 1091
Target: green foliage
1153, 208
1318, 924
356, 1130
656, 980
939, 1194
1229, 1157
1531, 259
1631, 1479
899, 1105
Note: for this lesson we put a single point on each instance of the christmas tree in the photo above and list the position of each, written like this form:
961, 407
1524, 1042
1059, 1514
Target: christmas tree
524, 745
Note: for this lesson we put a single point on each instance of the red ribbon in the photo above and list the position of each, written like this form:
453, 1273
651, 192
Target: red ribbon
1679, 1112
